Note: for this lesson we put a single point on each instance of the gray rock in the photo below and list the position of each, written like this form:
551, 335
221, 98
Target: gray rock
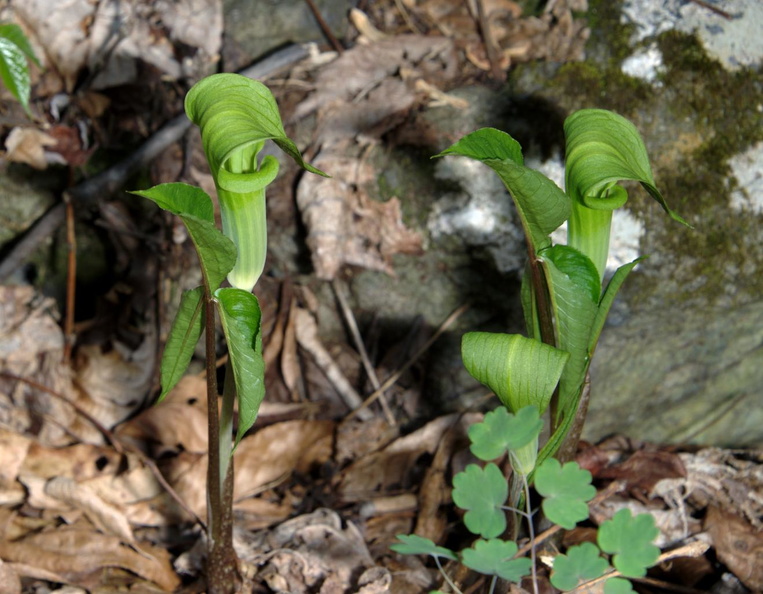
254, 28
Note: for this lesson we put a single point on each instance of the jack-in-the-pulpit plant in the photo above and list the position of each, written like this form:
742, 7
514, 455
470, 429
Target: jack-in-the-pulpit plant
565, 300
236, 116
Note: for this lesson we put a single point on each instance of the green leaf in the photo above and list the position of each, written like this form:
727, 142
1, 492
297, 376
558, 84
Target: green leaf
235, 113
521, 371
602, 149
630, 539
500, 431
607, 299
541, 204
482, 492
565, 489
241, 317
14, 71
411, 544
15, 35
574, 288
494, 557
181, 342
217, 253
618, 585
581, 564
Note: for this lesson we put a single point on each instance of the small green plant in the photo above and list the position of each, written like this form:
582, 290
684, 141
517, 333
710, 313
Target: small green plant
236, 115
564, 294
566, 301
15, 51
482, 492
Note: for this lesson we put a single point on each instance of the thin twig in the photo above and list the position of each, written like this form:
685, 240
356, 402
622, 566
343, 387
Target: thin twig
113, 440
356, 337
71, 282
714, 9
407, 18
491, 48
113, 179
324, 27
396, 376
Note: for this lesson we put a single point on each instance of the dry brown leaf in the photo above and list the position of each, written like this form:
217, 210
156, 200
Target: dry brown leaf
75, 552
27, 145
394, 467
9, 579
80, 34
345, 225
13, 451
738, 545
160, 425
104, 516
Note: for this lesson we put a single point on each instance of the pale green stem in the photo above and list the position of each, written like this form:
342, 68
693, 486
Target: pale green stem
226, 421
445, 575
588, 231
531, 534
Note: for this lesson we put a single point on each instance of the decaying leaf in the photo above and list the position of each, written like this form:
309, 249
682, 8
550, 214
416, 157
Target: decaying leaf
27, 145
738, 544
109, 37
346, 226
75, 552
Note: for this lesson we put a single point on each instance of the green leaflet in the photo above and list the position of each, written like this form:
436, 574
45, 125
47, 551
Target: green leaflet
574, 288
241, 317
542, 206
607, 299
181, 342
235, 112
521, 371
217, 253
14, 69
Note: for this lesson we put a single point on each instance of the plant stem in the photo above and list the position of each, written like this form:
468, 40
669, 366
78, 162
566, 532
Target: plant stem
588, 231
531, 533
445, 575
222, 564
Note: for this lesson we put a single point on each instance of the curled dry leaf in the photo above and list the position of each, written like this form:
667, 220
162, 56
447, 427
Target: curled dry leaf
738, 545
27, 145
74, 553
345, 225
80, 34
104, 516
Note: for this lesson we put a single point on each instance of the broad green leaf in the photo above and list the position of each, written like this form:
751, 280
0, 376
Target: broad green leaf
217, 253
581, 564
618, 585
521, 371
630, 540
500, 431
607, 299
15, 35
482, 493
574, 288
181, 342
235, 112
603, 148
241, 317
412, 544
14, 71
495, 557
565, 489
541, 204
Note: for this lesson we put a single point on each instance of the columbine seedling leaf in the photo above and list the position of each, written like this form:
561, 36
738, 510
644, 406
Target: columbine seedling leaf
482, 493
501, 431
630, 540
412, 544
581, 564
217, 253
240, 316
618, 586
495, 557
565, 489
181, 341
